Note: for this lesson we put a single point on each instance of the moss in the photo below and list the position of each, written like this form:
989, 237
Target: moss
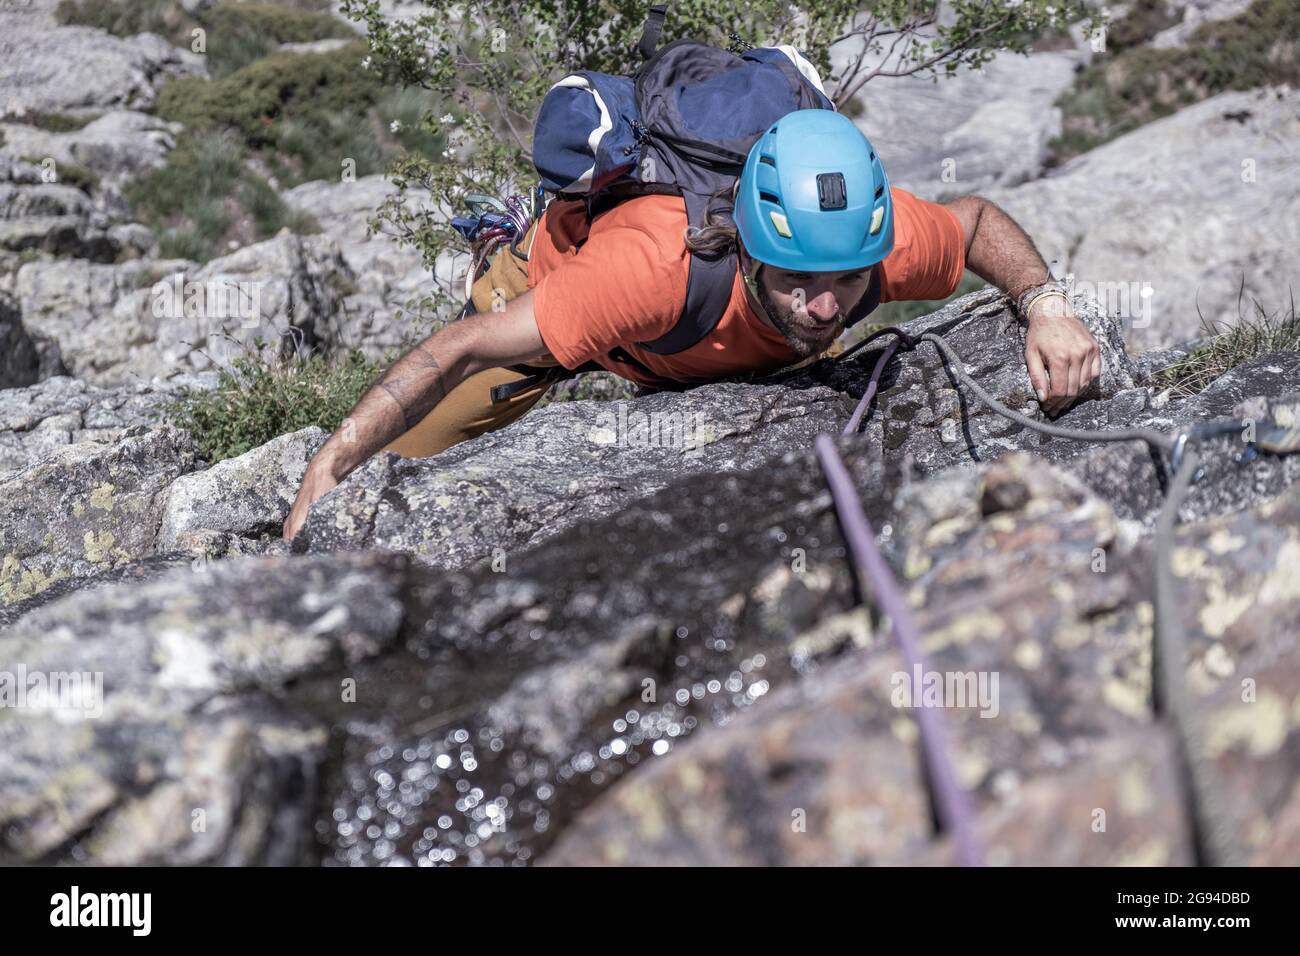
125, 18
240, 33
256, 97
304, 114
1129, 86
1140, 23
60, 122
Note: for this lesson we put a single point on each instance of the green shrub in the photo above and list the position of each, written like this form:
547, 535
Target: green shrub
1122, 91
1139, 25
125, 18
1229, 346
240, 33
257, 400
305, 113
204, 195
236, 33
59, 122
311, 87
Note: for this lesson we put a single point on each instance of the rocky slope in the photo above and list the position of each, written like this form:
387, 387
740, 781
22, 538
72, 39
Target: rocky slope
642, 650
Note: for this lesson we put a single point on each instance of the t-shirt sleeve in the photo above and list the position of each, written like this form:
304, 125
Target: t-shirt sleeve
929, 254
623, 286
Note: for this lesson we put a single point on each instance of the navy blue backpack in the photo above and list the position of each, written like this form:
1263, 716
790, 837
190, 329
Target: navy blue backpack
683, 124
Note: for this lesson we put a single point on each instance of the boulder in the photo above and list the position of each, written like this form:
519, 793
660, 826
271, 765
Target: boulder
86, 508
40, 214
389, 279
246, 497
184, 681
1192, 206
49, 68
117, 146
151, 319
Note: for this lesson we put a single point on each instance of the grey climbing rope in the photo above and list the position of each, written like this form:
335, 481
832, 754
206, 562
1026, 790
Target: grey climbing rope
1214, 839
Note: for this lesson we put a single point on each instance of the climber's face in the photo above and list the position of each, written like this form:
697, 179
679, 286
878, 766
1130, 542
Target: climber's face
809, 308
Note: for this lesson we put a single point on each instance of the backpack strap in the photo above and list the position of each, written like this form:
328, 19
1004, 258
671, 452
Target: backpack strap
654, 25
708, 291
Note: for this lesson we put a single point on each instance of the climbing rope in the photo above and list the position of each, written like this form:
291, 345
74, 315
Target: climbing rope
952, 803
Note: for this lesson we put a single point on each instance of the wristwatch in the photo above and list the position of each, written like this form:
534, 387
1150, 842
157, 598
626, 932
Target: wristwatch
1032, 294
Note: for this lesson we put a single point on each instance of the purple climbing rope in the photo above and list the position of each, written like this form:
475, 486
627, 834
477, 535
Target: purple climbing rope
952, 802
856, 419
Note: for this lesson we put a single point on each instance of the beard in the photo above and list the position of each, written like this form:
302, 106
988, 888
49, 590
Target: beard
803, 337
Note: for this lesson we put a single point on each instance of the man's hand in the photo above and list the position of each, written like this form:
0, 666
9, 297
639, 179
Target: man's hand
318, 479
1060, 353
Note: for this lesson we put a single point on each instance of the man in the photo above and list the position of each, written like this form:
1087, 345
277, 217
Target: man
820, 237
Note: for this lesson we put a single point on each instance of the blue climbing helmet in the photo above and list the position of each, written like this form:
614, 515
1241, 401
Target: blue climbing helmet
813, 196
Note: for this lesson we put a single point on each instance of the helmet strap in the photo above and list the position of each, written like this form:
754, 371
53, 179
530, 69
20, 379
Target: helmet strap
750, 275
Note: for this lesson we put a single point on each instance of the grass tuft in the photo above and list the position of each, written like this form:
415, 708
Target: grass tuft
1229, 346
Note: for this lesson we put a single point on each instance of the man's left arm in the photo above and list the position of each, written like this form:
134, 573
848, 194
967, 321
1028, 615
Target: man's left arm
1061, 355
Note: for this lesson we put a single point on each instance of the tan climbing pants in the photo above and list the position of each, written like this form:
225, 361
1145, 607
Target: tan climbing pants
468, 411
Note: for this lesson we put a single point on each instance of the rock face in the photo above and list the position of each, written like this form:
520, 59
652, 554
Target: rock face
36, 421
930, 422
968, 132
1192, 205
389, 279
48, 68
86, 508
560, 466
116, 146
20, 363
113, 323
452, 703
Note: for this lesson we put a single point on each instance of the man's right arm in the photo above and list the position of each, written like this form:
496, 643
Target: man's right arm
411, 388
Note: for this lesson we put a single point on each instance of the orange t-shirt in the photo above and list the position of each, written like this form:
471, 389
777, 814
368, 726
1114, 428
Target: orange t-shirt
626, 283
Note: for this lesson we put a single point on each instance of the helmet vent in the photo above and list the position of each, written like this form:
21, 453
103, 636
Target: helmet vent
767, 159
772, 130
880, 191
769, 197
